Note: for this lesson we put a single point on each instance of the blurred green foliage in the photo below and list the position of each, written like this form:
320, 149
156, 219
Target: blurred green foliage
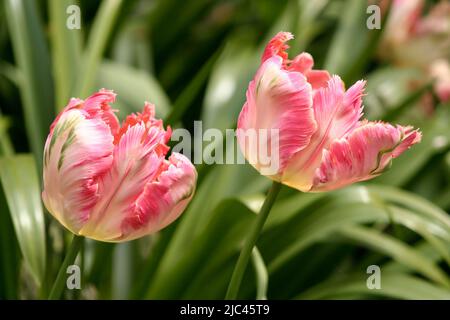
194, 59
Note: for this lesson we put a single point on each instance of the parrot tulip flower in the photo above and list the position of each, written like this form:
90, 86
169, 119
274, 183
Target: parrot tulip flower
322, 142
109, 182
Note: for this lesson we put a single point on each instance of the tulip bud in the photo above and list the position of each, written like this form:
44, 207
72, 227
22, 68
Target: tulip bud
110, 182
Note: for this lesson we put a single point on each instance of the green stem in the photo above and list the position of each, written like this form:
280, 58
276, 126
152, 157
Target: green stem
58, 285
244, 257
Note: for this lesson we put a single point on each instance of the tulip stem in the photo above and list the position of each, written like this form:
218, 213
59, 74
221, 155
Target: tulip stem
60, 282
244, 257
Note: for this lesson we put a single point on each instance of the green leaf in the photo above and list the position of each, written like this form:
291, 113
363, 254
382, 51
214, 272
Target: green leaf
122, 269
424, 248
306, 219
131, 46
231, 73
162, 18
98, 39
191, 91
312, 266
412, 202
397, 250
222, 182
347, 57
344, 50
262, 276
287, 21
9, 249
393, 285
21, 186
66, 51
6, 148
308, 24
148, 268
99, 270
388, 88
301, 18
436, 236
9, 254
443, 199
317, 217
315, 227
223, 235
286, 209
133, 87
32, 57
11, 73
413, 98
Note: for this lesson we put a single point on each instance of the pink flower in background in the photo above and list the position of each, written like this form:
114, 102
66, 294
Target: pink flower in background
110, 182
440, 71
409, 35
323, 144
404, 16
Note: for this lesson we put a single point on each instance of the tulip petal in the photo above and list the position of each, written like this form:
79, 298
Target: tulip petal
98, 105
277, 46
277, 101
363, 155
318, 78
304, 63
137, 159
163, 200
77, 153
336, 112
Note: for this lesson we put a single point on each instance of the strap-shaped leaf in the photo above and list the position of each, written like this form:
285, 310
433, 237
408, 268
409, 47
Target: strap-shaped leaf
397, 250
66, 50
21, 187
98, 39
33, 61
393, 285
261, 274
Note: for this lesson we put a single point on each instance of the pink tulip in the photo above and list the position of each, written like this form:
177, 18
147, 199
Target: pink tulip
403, 19
323, 144
440, 72
110, 182
413, 38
